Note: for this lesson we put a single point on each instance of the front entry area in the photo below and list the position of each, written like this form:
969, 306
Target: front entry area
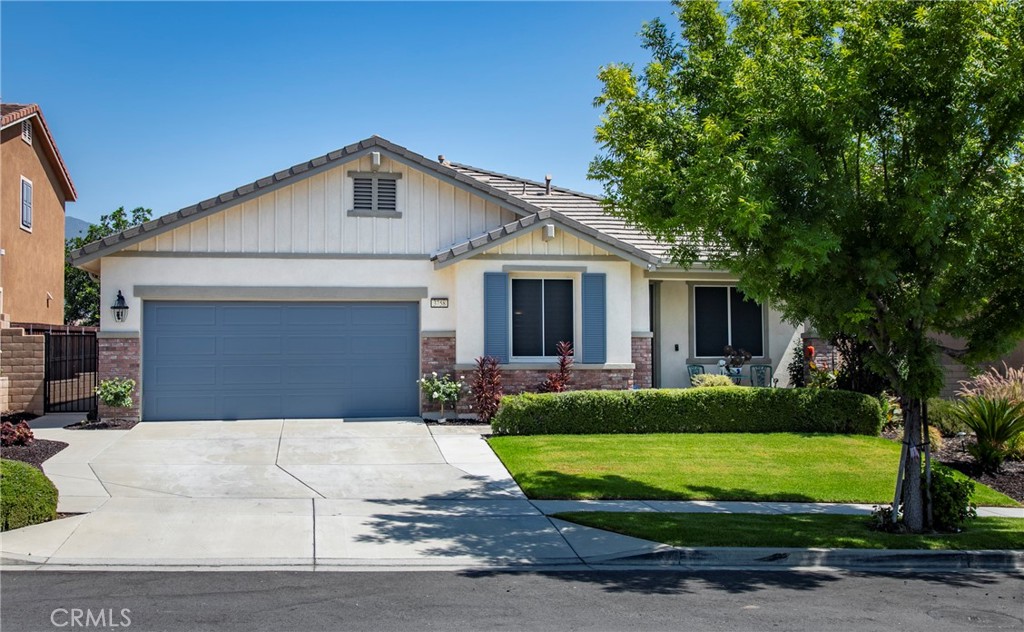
271, 360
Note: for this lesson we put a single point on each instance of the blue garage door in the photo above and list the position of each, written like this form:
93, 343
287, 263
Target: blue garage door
226, 360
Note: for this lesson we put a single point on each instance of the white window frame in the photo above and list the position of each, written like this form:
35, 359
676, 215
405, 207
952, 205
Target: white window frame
577, 313
31, 205
692, 300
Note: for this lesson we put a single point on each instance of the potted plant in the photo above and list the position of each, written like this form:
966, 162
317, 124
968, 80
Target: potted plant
732, 363
116, 392
442, 389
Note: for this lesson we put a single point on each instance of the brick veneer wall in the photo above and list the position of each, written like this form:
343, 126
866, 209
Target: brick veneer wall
438, 354
643, 360
119, 357
22, 359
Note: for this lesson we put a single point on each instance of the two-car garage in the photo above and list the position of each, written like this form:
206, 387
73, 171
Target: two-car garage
267, 360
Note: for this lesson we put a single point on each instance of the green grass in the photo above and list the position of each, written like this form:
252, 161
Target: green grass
781, 467
796, 531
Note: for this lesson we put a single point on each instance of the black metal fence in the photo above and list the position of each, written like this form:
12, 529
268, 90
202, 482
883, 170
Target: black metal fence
70, 372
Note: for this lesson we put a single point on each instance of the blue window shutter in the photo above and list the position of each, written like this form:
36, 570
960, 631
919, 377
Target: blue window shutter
26, 204
595, 319
496, 299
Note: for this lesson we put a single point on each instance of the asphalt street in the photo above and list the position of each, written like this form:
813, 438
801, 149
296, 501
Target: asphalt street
493, 600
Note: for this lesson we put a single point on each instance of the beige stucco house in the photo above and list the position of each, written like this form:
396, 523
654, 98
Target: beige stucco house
34, 187
327, 289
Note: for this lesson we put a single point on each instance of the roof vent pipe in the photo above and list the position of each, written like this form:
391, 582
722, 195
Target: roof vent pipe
547, 184
440, 158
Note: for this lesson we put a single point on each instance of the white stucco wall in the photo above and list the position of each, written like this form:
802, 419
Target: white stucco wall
124, 273
469, 290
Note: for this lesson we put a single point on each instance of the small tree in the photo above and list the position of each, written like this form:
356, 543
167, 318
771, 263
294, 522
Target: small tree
558, 381
487, 389
856, 165
81, 292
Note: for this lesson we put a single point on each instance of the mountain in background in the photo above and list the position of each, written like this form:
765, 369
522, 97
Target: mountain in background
74, 227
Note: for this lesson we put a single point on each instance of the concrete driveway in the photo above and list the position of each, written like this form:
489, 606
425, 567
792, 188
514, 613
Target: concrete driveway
294, 493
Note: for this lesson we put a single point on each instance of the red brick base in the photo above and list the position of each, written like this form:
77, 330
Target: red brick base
119, 357
438, 354
643, 360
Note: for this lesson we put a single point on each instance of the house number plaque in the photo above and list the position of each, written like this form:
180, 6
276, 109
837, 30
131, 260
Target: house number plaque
439, 302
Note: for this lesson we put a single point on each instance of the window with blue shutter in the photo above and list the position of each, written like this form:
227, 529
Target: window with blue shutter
496, 313
26, 203
595, 319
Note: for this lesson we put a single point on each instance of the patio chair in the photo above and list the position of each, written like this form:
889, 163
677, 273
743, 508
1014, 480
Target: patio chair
761, 375
694, 369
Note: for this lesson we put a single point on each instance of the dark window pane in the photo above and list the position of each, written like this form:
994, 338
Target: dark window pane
711, 320
557, 314
527, 336
747, 327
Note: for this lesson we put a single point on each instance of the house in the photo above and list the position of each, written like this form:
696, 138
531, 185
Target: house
327, 289
34, 187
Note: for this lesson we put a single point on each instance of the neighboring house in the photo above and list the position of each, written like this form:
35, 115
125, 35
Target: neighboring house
34, 187
327, 289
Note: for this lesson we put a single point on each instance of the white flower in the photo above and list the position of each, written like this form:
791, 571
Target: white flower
434, 373
437, 395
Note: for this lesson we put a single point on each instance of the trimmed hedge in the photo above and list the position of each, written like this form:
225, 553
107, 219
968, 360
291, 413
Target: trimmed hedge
27, 497
689, 410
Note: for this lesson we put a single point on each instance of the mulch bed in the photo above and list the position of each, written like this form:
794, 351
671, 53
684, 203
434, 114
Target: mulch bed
1009, 480
104, 424
34, 454
454, 422
16, 417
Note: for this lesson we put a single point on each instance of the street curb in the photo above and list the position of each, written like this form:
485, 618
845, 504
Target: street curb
666, 559
846, 559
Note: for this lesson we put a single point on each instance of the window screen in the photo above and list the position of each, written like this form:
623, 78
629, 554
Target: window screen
747, 327
711, 320
542, 316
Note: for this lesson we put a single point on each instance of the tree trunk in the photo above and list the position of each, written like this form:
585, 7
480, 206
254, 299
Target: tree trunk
913, 507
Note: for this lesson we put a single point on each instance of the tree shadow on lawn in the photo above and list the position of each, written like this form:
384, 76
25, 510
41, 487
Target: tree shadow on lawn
553, 485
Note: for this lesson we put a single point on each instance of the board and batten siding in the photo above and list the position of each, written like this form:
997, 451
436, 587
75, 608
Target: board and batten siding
564, 244
311, 216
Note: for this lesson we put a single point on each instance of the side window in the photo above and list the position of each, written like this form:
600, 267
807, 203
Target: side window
724, 316
26, 203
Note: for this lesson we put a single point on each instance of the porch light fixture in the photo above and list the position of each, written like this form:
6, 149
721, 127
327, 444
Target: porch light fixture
119, 308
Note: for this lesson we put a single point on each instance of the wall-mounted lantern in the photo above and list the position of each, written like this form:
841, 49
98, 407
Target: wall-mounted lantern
119, 308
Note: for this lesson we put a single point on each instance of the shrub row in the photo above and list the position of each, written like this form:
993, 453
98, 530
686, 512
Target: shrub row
689, 410
26, 496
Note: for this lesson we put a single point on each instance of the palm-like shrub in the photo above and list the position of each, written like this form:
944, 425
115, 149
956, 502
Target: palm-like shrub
996, 423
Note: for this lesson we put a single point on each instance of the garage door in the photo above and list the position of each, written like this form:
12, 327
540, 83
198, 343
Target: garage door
228, 360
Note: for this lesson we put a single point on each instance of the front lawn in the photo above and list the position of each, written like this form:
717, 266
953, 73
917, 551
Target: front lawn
779, 467
796, 531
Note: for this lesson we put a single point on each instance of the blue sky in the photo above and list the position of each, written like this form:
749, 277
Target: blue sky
165, 104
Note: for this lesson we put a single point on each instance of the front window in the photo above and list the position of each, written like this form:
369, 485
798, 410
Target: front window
724, 316
542, 316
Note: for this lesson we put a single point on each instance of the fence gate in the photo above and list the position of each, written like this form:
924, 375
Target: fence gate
70, 372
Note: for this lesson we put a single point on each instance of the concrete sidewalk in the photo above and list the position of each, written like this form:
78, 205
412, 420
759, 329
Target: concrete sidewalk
305, 494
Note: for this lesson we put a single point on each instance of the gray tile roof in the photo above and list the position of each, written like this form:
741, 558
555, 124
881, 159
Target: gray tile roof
523, 225
578, 211
584, 208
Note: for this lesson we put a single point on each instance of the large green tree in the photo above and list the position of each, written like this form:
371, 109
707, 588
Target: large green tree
856, 164
81, 291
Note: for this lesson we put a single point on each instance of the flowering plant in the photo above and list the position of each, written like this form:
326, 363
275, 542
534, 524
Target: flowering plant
442, 388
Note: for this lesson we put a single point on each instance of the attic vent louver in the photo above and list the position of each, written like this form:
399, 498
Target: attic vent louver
374, 194
26, 131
